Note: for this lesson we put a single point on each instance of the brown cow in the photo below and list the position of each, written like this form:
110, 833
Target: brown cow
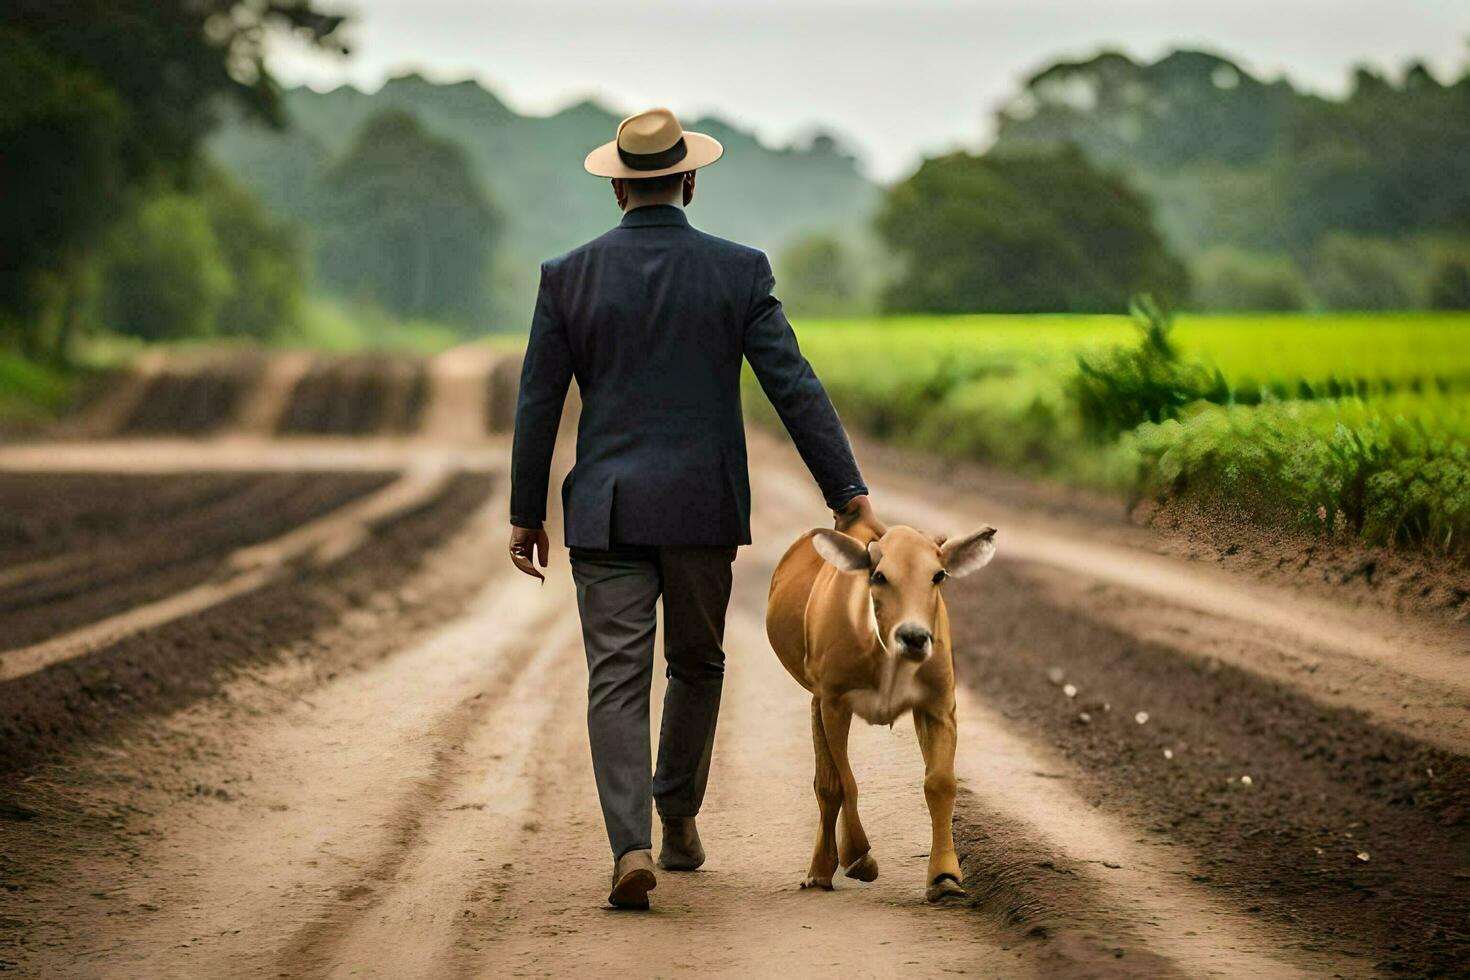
857, 616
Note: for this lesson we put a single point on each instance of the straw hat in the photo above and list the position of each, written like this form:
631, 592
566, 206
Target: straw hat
652, 144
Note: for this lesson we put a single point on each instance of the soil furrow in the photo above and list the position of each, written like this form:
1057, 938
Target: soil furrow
1309, 815
188, 659
113, 575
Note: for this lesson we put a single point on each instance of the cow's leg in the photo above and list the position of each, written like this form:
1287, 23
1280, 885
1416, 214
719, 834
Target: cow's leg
829, 801
852, 848
936, 730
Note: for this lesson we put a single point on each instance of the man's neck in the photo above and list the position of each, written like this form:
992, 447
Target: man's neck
635, 204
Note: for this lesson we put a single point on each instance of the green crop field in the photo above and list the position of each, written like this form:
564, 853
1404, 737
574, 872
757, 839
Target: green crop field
1354, 424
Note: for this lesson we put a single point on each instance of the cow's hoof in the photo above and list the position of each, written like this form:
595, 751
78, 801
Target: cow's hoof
942, 888
825, 884
864, 868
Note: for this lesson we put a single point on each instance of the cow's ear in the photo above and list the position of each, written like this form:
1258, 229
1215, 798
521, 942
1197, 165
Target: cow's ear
968, 553
844, 553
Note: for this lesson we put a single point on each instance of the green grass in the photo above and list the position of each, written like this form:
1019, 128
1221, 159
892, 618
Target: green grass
30, 392
1346, 423
333, 325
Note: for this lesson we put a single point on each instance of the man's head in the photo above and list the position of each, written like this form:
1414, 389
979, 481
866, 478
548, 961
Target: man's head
653, 159
636, 192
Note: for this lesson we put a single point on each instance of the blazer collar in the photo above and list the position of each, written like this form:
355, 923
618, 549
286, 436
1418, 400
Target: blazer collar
654, 215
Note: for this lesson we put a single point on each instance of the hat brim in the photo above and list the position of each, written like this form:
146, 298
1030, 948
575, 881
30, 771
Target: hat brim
605, 162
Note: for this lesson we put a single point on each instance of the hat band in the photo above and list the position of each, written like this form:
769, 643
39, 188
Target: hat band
655, 161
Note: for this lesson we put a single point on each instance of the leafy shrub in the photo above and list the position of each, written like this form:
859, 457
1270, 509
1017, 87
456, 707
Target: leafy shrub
1390, 472
1148, 383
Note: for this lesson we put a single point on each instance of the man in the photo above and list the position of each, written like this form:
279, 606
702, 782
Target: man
653, 319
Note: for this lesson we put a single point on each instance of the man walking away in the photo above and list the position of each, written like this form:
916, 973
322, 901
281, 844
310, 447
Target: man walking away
653, 319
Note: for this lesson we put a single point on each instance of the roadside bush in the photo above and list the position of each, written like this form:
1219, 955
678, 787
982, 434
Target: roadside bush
1227, 279
1351, 272
1392, 471
1127, 386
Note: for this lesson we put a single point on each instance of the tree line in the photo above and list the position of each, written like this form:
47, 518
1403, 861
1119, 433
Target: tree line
1191, 179
1186, 178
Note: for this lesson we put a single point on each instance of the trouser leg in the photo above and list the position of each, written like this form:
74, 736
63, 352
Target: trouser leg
616, 595
696, 592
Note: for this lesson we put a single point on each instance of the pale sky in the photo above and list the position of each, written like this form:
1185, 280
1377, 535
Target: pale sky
896, 81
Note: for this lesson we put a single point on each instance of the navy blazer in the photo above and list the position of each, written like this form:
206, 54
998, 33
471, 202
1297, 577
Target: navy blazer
653, 318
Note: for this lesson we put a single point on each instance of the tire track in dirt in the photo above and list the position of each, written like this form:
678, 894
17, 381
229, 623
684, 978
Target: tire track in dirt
412, 885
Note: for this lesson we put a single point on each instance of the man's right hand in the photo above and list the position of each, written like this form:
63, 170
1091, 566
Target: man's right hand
858, 510
526, 544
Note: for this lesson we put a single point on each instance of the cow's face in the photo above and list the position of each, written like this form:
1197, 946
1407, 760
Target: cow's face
906, 570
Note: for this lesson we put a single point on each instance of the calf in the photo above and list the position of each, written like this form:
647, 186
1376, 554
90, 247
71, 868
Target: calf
857, 616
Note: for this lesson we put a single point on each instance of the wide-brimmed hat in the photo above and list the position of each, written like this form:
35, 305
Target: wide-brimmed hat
652, 144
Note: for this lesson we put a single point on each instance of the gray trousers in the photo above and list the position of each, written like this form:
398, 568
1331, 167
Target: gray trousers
617, 592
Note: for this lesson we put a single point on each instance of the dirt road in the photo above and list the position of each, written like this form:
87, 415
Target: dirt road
361, 750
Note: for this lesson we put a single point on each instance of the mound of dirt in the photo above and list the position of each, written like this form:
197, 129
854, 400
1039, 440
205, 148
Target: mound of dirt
364, 394
194, 399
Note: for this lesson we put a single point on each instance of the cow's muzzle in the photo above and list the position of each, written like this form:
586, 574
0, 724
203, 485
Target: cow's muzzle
914, 642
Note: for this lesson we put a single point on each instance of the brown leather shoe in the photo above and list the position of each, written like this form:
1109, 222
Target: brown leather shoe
681, 849
632, 880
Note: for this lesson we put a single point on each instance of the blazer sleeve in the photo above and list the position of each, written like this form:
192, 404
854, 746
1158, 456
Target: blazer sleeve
546, 373
799, 398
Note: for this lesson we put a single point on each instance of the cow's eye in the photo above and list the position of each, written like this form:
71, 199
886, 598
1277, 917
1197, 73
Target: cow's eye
879, 578
940, 576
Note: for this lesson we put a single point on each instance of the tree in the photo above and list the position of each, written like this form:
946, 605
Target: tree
1449, 284
60, 169
1022, 233
165, 277
816, 277
264, 256
1187, 107
102, 102
406, 225
1351, 272
1230, 279
1232, 159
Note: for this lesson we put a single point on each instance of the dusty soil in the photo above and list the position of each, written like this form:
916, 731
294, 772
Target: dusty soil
374, 763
